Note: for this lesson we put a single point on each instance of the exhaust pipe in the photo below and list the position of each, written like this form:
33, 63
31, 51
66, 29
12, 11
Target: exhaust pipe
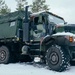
26, 26
26, 14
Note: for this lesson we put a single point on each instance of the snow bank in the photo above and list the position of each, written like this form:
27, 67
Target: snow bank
25, 69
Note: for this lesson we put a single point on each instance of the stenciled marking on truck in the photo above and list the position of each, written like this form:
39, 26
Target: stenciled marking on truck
12, 24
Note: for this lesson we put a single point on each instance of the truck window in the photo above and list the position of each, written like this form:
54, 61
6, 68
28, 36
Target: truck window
38, 29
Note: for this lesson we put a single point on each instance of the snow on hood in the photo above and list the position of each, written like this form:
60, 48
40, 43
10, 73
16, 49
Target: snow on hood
64, 33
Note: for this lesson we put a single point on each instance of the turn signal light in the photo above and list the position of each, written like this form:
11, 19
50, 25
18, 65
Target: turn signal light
71, 39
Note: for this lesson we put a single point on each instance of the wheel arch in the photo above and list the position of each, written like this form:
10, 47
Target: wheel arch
49, 41
46, 43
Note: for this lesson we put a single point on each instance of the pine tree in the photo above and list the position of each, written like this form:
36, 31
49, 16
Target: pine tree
3, 8
1, 3
21, 4
39, 5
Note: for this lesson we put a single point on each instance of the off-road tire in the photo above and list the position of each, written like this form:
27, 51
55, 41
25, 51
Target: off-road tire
4, 55
57, 58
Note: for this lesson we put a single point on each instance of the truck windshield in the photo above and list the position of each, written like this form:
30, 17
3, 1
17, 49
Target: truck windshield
56, 20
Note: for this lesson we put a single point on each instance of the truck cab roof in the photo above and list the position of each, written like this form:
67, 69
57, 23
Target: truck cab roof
45, 12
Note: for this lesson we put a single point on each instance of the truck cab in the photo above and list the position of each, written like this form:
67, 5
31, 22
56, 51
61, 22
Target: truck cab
44, 23
41, 24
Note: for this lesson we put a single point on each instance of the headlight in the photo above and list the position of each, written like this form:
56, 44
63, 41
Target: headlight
74, 39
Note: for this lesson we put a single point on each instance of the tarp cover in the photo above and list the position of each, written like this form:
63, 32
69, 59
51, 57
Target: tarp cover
12, 16
9, 24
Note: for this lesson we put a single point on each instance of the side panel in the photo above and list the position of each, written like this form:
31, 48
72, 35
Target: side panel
8, 29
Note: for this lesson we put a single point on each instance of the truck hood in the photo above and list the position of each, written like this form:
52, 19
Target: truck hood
64, 34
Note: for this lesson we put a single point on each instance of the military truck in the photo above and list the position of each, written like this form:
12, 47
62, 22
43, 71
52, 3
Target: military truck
25, 35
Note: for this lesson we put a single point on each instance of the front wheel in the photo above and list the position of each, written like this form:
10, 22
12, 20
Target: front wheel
57, 58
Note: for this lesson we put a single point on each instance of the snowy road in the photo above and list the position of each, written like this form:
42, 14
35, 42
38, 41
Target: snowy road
27, 69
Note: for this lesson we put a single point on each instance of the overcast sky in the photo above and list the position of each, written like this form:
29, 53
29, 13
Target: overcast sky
64, 8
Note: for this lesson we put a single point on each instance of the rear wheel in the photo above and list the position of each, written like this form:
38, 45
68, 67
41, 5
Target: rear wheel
57, 59
4, 55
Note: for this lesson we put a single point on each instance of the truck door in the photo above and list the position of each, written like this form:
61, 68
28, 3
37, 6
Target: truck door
38, 28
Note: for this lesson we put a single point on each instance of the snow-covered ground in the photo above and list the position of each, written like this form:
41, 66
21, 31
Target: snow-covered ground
31, 69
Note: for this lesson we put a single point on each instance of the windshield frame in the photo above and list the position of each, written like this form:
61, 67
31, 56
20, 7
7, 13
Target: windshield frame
55, 17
